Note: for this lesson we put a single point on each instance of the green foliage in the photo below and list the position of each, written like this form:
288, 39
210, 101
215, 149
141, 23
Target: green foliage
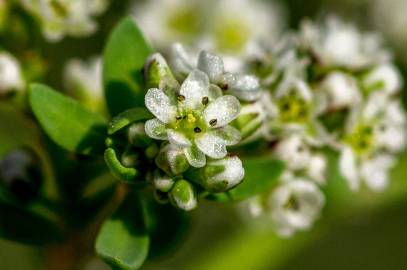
118, 170
67, 122
127, 117
260, 175
124, 57
123, 241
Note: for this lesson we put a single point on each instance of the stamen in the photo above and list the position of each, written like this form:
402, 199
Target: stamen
179, 117
205, 100
181, 98
224, 87
197, 130
213, 122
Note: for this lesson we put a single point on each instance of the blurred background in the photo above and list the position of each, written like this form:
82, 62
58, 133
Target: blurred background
361, 230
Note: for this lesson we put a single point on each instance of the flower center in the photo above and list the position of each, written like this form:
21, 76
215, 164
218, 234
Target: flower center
184, 21
190, 123
361, 139
293, 108
292, 204
232, 35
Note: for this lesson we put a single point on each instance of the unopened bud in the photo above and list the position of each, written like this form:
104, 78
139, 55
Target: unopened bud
182, 195
158, 74
222, 174
172, 160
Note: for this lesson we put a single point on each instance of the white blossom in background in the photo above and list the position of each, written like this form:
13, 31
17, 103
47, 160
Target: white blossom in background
374, 135
83, 80
11, 78
60, 18
227, 27
338, 44
339, 90
384, 77
295, 205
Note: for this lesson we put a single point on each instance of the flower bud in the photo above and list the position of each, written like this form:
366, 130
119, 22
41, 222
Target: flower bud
158, 74
222, 174
172, 160
182, 195
250, 120
129, 159
384, 78
11, 78
137, 136
163, 183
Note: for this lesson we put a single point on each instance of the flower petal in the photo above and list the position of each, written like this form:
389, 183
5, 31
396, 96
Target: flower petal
214, 92
180, 61
161, 105
194, 89
178, 139
212, 145
212, 65
228, 134
245, 87
195, 157
156, 129
224, 110
348, 168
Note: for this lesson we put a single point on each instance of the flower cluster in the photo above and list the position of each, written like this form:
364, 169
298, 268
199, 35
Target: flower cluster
329, 87
59, 18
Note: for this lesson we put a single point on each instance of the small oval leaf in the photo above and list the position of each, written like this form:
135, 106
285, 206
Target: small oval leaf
123, 241
127, 117
67, 122
124, 57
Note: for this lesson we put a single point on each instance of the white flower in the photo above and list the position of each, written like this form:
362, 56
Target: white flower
223, 174
340, 90
83, 80
194, 119
11, 78
234, 26
385, 78
295, 205
373, 171
340, 44
168, 21
294, 152
229, 27
245, 87
59, 18
316, 169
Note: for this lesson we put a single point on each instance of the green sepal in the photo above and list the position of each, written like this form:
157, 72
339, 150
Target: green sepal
117, 169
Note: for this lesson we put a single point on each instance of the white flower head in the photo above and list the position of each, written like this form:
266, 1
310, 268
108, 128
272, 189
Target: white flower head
373, 171
384, 78
245, 87
59, 18
316, 169
195, 118
11, 78
340, 90
295, 205
340, 44
294, 152
83, 80
168, 21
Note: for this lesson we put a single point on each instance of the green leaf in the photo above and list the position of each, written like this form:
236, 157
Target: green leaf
123, 241
117, 169
68, 123
127, 117
124, 57
260, 175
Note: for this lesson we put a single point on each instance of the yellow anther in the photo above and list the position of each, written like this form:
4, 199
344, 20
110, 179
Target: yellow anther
191, 118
